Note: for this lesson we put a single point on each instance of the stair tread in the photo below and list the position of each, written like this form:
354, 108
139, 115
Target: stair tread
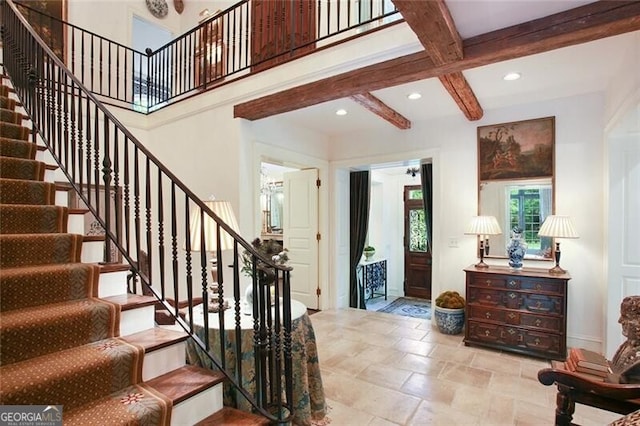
233, 416
131, 301
113, 267
79, 211
156, 338
53, 369
184, 382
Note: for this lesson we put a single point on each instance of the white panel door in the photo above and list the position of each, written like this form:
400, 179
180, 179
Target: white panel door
624, 244
300, 227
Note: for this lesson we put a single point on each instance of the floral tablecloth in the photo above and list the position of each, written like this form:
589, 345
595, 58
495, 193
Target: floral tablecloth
308, 393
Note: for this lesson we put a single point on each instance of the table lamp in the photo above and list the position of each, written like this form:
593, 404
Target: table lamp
557, 227
224, 211
483, 226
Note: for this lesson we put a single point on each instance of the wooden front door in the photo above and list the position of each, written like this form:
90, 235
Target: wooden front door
417, 256
277, 27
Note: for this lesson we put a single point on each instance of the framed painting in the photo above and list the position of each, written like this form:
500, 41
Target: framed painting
516, 150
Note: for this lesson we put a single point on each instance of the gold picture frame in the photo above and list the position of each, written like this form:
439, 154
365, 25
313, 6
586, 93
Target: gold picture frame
516, 150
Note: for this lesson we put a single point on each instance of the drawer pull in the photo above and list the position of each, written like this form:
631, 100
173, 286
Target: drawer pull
488, 315
512, 283
487, 333
488, 297
538, 286
488, 282
538, 322
511, 315
512, 331
537, 341
512, 295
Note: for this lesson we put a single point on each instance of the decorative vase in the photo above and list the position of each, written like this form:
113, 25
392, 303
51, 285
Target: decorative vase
516, 249
369, 254
449, 321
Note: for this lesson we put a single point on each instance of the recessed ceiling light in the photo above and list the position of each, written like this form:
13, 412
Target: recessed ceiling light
341, 112
414, 96
512, 76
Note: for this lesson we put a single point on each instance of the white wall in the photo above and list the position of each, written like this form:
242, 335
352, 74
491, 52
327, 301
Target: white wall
622, 118
579, 150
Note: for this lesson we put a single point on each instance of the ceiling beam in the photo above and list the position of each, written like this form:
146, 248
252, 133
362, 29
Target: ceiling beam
462, 94
382, 110
579, 25
432, 23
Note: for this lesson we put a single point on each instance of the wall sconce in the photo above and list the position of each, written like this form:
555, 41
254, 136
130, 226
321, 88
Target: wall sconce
557, 227
483, 226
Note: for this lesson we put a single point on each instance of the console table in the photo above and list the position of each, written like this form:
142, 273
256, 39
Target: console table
523, 311
374, 278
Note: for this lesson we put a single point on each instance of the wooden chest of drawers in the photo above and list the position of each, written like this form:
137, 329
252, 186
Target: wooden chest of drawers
519, 311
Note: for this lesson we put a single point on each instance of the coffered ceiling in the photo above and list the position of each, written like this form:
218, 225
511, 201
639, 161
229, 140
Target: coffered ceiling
464, 73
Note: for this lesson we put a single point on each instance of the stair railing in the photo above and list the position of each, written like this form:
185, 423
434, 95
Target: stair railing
225, 45
143, 207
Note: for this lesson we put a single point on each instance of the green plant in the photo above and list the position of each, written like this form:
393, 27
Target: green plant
271, 249
450, 300
369, 248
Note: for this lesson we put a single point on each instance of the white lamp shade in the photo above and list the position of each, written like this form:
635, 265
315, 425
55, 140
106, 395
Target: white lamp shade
483, 225
225, 212
558, 227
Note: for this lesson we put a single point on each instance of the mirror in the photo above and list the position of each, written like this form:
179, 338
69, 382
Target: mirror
272, 206
524, 203
516, 174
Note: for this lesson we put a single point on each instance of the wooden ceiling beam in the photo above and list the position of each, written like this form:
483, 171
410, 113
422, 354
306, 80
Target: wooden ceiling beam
462, 94
575, 26
432, 23
382, 110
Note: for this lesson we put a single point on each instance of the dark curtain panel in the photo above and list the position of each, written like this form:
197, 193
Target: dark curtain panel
359, 220
426, 176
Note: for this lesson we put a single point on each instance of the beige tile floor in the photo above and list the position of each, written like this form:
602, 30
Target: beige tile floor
382, 369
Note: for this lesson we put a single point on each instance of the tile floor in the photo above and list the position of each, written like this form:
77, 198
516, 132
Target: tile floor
383, 369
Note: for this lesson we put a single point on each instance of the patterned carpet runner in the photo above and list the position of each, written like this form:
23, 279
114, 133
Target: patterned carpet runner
59, 343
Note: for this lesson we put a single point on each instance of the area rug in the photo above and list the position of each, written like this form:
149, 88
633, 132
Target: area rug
409, 307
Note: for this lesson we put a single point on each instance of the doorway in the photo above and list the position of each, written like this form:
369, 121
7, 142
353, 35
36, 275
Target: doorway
386, 232
417, 255
145, 35
289, 206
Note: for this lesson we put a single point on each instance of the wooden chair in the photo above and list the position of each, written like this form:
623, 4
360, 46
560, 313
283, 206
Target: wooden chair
620, 392
575, 389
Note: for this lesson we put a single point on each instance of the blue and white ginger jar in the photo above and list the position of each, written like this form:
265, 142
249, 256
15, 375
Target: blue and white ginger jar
516, 249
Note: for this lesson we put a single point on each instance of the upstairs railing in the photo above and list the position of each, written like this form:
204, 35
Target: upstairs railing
247, 37
144, 208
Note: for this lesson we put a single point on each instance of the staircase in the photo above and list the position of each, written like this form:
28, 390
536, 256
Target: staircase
70, 334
